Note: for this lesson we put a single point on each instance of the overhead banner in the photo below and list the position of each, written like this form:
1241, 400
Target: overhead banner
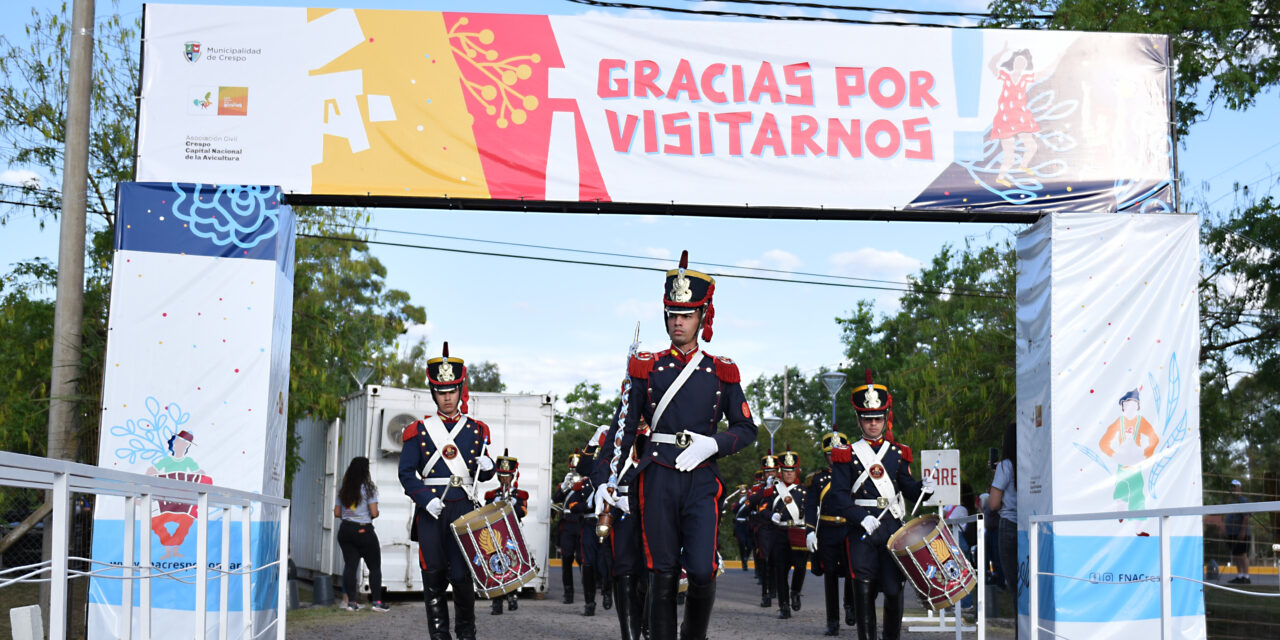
196, 390
614, 111
1109, 421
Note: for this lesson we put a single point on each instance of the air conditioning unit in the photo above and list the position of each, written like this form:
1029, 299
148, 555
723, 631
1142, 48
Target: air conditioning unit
393, 431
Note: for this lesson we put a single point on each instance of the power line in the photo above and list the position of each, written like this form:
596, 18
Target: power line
1210, 178
640, 268
895, 11
739, 14
636, 257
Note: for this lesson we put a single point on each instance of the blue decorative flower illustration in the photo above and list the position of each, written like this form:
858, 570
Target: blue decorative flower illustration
148, 437
229, 214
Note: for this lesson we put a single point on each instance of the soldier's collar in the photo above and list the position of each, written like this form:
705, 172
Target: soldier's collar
875, 443
453, 418
681, 356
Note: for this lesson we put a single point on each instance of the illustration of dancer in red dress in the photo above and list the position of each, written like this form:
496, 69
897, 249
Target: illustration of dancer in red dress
1013, 122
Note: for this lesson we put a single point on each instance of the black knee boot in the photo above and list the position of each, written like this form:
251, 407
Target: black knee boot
640, 606
893, 615
497, 606
783, 590
865, 595
850, 604
662, 605
566, 579
697, 610
464, 609
628, 618
831, 590
433, 588
588, 590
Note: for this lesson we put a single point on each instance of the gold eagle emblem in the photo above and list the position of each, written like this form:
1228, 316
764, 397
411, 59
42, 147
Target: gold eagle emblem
680, 290
446, 372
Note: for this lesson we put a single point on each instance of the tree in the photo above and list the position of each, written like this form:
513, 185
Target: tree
806, 398
1231, 43
484, 376
947, 356
586, 411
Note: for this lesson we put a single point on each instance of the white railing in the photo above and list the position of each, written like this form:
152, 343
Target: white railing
1166, 576
63, 478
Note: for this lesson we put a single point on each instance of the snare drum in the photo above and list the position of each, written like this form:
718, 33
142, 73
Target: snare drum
168, 506
929, 556
796, 537
494, 545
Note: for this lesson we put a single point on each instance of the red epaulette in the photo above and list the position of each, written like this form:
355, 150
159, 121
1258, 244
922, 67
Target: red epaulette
522, 494
640, 365
490, 494
484, 430
727, 370
410, 432
907, 455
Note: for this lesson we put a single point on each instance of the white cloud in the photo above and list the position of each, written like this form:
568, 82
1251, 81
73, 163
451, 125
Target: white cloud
868, 262
648, 219
659, 253
773, 259
20, 177
639, 309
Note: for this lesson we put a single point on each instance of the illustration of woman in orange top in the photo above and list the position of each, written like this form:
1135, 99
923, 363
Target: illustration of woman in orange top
176, 466
1129, 441
1013, 122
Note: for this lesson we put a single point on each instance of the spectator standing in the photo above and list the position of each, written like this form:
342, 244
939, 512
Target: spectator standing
959, 531
991, 537
1238, 536
1004, 500
357, 506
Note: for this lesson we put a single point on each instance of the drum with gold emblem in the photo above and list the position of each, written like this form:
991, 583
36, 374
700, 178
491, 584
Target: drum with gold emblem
494, 545
932, 561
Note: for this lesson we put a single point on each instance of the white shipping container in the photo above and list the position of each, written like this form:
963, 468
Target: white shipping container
376, 417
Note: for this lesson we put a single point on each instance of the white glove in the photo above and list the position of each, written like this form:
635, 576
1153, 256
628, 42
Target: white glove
811, 541
485, 463
624, 504
770, 481
700, 449
607, 497
435, 507
870, 524
567, 482
928, 485
777, 518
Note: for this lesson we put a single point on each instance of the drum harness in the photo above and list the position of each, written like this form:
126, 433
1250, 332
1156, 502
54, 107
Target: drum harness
886, 504
784, 494
460, 475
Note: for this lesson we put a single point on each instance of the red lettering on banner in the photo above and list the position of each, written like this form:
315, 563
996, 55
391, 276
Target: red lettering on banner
621, 136
765, 83
647, 79
737, 82
921, 85
650, 132
705, 147
803, 129
851, 138
735, 120
683, 83
873, 139
913, 132
878, 78
682, 132
606, 85
769, 136
802, 82
708, 80
849, 84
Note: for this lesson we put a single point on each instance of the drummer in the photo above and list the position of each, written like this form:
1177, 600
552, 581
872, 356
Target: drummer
508, 492
443, 457
878, 472
788, 557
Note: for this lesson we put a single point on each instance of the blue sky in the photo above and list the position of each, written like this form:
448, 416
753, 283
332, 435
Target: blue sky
549, 326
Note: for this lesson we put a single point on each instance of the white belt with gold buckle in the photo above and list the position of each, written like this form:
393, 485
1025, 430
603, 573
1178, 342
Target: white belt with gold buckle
879, 503
682, 439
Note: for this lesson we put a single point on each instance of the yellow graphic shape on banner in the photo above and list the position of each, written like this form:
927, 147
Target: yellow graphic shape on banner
419, 140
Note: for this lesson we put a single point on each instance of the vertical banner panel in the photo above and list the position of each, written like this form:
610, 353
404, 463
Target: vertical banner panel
1122, 432
196, 384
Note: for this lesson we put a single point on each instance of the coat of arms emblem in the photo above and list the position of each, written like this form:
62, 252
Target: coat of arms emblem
191, 51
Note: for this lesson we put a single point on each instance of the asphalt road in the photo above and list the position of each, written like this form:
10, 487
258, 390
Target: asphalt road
737, 616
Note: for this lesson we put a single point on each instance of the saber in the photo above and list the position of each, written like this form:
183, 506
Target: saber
604, 520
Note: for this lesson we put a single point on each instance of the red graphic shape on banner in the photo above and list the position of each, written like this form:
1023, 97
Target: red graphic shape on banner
504, 61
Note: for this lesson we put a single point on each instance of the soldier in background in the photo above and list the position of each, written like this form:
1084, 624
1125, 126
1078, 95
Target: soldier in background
788, 557
573, 503
758, 520
827, 537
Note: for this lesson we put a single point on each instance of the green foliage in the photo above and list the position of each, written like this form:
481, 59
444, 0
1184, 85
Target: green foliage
586, 410
484, 376
1229, 43
947, 356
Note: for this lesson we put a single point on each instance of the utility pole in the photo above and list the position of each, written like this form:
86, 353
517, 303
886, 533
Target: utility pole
786, 380
68, 314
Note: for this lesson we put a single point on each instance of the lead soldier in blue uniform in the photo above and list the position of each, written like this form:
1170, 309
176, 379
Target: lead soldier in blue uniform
678, 487
508, 491
827, 533
877, 471
442, 458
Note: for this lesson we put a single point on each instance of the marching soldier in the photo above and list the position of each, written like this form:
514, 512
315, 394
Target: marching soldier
759, 519
741, 528
518, 498
595, 557
827, 534
573, 503
682, 393
877, 471
443, 457
787, 554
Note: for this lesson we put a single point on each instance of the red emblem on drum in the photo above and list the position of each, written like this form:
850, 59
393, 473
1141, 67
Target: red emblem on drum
746, 411
877, 471
449, 451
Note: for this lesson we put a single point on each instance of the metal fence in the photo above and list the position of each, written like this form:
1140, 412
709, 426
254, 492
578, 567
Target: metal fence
74, 488
1166, 575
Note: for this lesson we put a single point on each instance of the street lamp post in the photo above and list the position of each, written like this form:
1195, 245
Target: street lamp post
772, 423
833, 381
